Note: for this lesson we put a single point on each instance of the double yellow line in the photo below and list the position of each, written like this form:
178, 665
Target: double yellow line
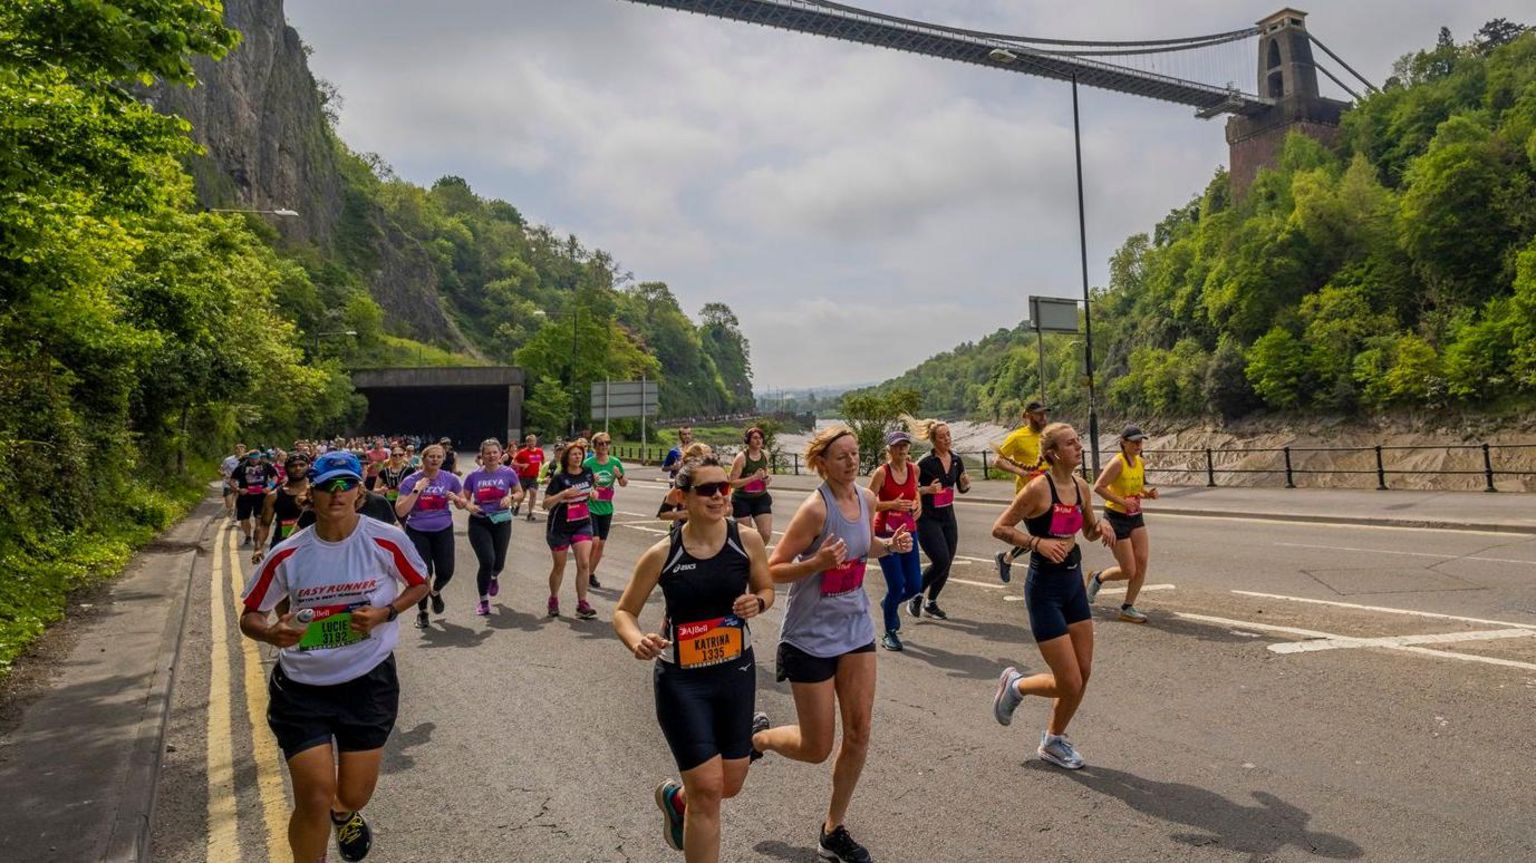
223, 809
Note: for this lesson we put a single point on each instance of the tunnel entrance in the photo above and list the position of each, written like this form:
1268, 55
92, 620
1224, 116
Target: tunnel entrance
466, 404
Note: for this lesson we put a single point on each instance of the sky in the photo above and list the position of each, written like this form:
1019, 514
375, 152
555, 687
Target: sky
860, 209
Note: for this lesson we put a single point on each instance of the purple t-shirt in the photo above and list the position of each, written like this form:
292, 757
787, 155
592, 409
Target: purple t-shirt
431, 512
487, 487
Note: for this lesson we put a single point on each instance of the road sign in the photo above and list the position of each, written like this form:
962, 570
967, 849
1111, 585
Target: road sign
1052, 315
620, 399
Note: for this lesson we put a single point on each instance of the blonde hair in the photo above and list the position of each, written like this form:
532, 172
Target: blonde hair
1050, 439
697, 450
601, 437
922, 429
436, 446
816, 449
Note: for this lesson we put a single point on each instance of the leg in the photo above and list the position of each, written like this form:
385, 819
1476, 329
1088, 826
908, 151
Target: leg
1142, 552
1080, 636
442, 553
556, 572
1064, 682
764, 524
938, 575
912, 573
501, 537
357, 775
855, 685
583, 552
314, 790
811, 739
930, 536
423, 543
1125, 560
703, 788
597, 544
484, 545
895, 591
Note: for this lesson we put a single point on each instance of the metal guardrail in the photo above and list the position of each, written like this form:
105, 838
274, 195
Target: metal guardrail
1207, 462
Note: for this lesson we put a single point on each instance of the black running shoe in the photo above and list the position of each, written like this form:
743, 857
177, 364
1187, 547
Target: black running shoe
934, 611
353, 838
1004, 567
437, 603
839, 846
759, 723
915, 607
592, 579
422, 621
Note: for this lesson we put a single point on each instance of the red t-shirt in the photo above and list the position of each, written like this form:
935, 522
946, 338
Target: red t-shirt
376, 459
528, 461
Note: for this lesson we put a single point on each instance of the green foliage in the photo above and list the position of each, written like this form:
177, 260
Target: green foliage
871, 415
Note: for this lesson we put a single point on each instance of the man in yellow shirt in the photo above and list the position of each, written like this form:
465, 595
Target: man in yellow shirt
1019, 454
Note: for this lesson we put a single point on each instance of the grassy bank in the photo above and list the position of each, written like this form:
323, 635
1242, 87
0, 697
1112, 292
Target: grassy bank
39, 580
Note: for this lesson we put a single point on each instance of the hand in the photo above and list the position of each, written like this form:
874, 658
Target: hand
935, 487
475, 509
257, 555
623, 481
1107, 535
901, 541
285, 633
651, 646
964, 483
365, 619
1054, 550
1132, 505
506, 502
906, 505
760, 474
1149, 493
831, 555
746, 606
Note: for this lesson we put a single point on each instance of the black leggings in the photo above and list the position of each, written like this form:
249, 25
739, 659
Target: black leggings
436, 548
937, 535
489, 540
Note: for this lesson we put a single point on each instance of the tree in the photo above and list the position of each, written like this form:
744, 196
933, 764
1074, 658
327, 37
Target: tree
871, 415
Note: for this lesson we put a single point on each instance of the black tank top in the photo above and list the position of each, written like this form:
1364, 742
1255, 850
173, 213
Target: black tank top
285, 516
1040, 526
699, 595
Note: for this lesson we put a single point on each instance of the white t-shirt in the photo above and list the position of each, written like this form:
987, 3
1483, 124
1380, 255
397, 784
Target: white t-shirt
333, 578
228, 466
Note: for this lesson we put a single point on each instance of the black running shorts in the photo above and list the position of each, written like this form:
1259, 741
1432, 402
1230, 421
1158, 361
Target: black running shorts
750, 507
249, 505
601, 524
1124, 524
797, 666
358, 714
1056, 599
707, 711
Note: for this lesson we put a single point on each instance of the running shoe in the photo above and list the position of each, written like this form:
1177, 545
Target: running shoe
759, 723
1007, 698
891, 641
592, 580
672, 811
915, 607
1129, 614
934, 611
517, 508
530, 515
353, 837
1004, 567
437, 603
839, 846
495, 587
1093, 585
585, 611
554, 607
422, 621
483, 607
1056, 749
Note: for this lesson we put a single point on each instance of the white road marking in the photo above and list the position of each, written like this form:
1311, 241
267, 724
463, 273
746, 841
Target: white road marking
1386, 610
1119, 591
1348, 643
977, 584
1408, 553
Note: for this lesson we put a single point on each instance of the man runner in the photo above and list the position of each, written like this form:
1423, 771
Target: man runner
674, 459
1019, 454
527, 463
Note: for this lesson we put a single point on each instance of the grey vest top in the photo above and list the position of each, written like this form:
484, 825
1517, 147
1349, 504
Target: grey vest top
831, 625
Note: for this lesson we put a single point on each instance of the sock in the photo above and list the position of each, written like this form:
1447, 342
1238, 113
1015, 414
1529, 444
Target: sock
1124, 606
342, 820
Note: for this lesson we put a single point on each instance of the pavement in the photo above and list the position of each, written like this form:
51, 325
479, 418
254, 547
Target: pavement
1355, 689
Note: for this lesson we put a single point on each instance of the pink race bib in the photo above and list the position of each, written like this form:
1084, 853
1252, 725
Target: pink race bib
756, 486
892, 521
489, 494
849, 576
576, 512
605, 492
431, 503
945, 497
1066, 519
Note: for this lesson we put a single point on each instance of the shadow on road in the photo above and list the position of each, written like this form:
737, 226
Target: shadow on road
1261, 831
397, 756
506, 618
784, 851
444, 634
963, 665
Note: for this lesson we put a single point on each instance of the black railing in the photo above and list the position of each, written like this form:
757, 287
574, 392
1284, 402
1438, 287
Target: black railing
1286, 462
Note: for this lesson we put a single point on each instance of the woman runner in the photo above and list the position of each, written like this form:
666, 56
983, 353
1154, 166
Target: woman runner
1053, 507
568, 498
895, 486
607, 471
333, 695
750, 479
491, 490
423, 503
940, 474
827, 644
392, 473
714, 578
1122, 484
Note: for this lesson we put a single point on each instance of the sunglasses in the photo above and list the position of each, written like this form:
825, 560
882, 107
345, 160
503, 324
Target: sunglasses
337, 485
710, 489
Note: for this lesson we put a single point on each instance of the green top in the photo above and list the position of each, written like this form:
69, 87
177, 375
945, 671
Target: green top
606, 475
749, 467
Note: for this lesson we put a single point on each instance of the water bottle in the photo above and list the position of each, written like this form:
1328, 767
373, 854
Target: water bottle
304, 617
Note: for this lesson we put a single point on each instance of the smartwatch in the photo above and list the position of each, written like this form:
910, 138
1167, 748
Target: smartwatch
393, 613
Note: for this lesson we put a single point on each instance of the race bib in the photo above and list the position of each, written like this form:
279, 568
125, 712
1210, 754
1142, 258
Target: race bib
849, 576
489, 495
391, 494
285, 527
255, 489
605, 492
708, 642
331, 628
756, 486
1066, 519
892, 521
945, 497
431, 503
576, 511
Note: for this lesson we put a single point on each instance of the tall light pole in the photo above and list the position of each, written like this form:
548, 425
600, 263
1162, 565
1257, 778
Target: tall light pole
1004, 56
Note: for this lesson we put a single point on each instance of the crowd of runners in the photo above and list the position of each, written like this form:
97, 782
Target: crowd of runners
350, 534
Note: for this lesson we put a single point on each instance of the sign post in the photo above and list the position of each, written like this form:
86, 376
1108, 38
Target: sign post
1050, 315
625, 399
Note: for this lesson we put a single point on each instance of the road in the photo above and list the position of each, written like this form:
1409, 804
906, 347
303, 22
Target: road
1303, 691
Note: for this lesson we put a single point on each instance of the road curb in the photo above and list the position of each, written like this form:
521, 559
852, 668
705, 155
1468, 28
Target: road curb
128, 841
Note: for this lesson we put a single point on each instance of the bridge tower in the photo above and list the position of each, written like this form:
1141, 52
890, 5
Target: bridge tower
1288, 76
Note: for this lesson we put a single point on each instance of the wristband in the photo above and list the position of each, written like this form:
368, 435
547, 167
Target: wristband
762, 605
393, 613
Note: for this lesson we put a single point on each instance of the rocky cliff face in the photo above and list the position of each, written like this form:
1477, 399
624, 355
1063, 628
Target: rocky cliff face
258, 114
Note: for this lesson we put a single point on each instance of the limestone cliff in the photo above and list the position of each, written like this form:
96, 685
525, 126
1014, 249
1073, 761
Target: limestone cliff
258, 114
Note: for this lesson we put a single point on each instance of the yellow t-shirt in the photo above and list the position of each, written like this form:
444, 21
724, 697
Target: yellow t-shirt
1129, 484
1021, 446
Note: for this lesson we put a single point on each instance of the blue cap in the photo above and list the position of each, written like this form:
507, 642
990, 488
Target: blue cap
335, 464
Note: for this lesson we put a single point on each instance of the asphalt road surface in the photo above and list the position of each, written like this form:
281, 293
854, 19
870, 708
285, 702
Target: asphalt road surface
1302, 692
